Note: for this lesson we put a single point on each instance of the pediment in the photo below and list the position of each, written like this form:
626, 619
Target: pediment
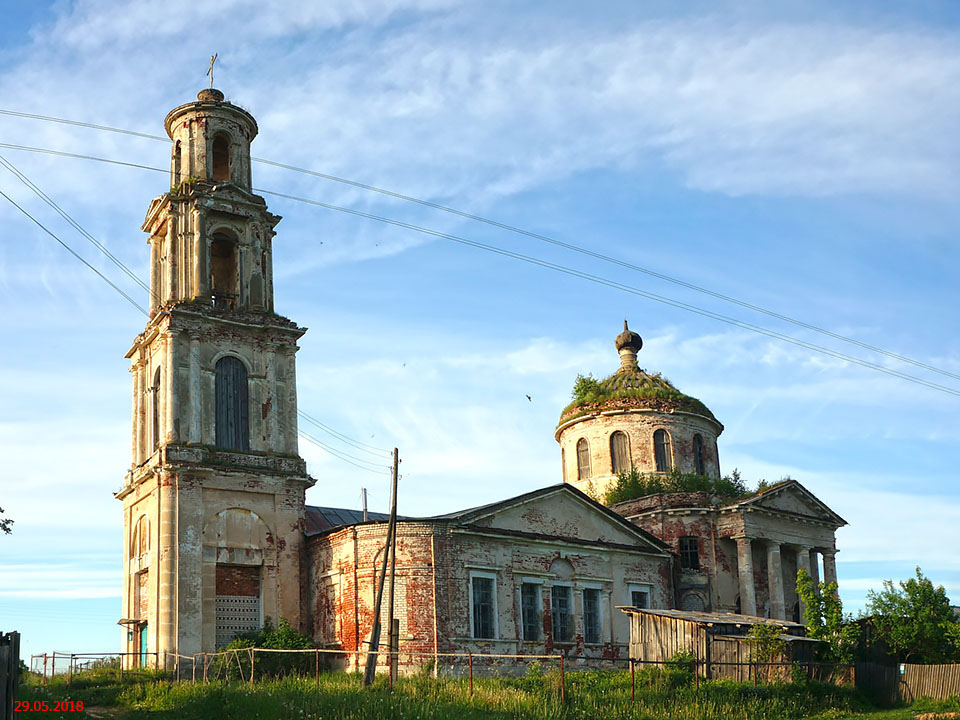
561, 511
792, 498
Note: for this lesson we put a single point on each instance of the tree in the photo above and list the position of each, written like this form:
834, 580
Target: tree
823, 616
766, 646
915, 620
5, 524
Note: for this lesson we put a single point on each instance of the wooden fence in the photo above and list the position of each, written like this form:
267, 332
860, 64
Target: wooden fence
887, 684
9, 672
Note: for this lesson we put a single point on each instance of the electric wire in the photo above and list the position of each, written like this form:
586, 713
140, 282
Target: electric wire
514, 229
361, 463
610, 283
76, 255
625, 288
130, 273
349, 441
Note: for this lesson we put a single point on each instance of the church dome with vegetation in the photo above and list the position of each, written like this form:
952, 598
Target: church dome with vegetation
630, 387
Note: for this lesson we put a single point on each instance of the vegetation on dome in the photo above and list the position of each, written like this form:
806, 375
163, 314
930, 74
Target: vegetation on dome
632, 484
590, 394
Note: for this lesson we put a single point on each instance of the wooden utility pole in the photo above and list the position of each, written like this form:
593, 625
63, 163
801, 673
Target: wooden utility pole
393, 634
370, 670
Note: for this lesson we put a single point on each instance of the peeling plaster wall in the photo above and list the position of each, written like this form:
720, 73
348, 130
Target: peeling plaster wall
639, 425
435, 561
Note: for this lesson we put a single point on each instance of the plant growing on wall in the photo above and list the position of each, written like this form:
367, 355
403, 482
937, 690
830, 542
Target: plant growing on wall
823, 616
632, 484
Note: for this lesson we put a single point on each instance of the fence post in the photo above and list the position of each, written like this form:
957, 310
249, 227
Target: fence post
193, 669
44, 668
563, 683
317, 667
633, 682
470, 666
205, 665
251, 666
122, 659
696, 674
70, 671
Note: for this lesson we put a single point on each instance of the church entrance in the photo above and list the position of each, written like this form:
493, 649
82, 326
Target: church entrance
143, 645
238, 601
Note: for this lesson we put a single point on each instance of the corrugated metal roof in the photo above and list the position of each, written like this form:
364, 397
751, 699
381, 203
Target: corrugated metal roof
712, 618
323, 519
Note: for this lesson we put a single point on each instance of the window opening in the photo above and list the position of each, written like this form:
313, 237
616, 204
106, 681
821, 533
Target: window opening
689, 553
619, 452
176, 165
583, 459
530, 610
591, 616
482, 607
221, 158
698, 463
560, 602
640, 598
232, 425
661, 450
155, 406
223, 271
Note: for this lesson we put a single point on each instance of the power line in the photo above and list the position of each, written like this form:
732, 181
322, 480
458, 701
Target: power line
76, 255
520, 231
355, 443
626, 288
127, 270
356, 462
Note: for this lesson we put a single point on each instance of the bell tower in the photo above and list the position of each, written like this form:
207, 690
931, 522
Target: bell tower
214, 498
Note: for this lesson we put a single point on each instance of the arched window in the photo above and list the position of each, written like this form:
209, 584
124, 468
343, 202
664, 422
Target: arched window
155, 406
140, 542
583, 459
619, 452
176, 164
661, 450
221, 157
223, 270
698, 464
231, 397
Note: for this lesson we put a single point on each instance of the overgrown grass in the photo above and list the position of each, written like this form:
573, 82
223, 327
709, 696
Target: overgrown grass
661, 695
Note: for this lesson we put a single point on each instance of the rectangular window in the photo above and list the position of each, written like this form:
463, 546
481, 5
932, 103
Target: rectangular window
640, 598
483, 609
689, 554
591, 616
560, 611
530, 609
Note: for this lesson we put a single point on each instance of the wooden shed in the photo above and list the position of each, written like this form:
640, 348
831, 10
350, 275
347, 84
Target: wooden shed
719, 641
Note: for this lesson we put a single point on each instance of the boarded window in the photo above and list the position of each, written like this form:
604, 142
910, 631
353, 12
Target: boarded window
221, 158
619, 452
483, 607
689, 553
661, 450
530, 609
591, 616
155, 406
583, 459
640, 598
560, 612
698, 464
231, 391
238, 601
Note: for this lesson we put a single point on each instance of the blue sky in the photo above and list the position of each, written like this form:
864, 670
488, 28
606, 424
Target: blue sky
802, 158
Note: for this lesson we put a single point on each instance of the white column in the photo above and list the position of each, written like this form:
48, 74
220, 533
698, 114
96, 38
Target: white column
748, 596
830, 566
775, 581
814, 568
170, 395
135, 371
196, 397
803, 563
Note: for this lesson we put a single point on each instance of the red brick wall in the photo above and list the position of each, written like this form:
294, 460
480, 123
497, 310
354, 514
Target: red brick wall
241, 580
143, 594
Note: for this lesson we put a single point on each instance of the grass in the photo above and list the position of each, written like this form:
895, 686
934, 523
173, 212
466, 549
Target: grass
661, 695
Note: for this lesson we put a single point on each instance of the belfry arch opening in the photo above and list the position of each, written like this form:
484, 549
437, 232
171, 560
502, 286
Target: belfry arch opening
223, 270
221, 158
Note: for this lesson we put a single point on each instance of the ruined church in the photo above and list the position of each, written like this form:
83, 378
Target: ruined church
219, 540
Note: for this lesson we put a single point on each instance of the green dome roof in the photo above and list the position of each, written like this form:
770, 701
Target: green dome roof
630, 387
